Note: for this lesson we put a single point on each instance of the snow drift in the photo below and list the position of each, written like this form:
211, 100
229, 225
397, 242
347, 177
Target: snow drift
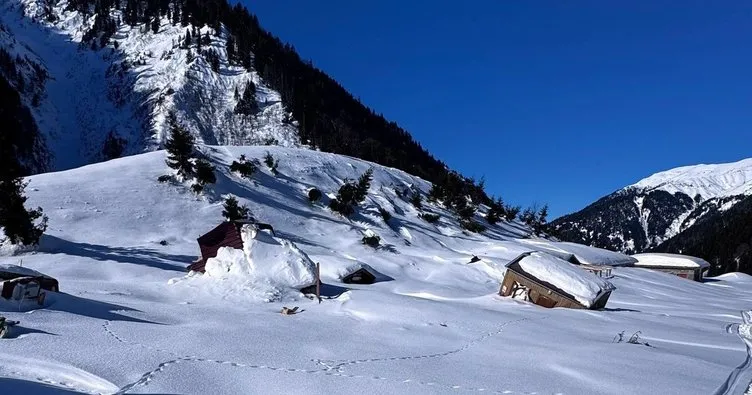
265, 262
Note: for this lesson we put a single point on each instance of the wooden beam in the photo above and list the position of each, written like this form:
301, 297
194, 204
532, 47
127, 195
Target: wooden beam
318, 281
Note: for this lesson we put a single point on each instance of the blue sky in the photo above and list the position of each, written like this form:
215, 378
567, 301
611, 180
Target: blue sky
553, 102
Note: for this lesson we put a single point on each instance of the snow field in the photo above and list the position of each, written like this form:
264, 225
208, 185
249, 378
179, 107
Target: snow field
436, 325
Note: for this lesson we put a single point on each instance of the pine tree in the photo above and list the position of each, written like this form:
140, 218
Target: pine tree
417, 201
543, 214
187, 42
541, 219
213, 58
529, 216
495, 211
230, 47
21, 226
113, 146
233, 211
179, 148
243, 167
205, 172
364, 183
175, 14
247, 104
511, 212
271, 163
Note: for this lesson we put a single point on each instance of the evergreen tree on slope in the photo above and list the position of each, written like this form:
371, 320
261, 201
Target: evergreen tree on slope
21, 226
179, 149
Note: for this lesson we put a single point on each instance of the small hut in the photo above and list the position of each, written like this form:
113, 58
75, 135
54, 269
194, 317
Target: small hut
13, 277
359, 276
683, 266
549, 281
226, 234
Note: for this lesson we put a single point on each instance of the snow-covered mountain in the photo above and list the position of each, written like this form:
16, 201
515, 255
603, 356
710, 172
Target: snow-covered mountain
707, 181
130, 319
84, 91
644, 215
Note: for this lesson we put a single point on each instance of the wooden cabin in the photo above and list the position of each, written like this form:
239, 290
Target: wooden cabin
360, 276
12, 276
539, 291
684, 266
226, 234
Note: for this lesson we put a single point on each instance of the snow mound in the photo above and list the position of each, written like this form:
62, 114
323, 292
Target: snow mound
265, 261
734, 277
670, 260
584, 286
584, 254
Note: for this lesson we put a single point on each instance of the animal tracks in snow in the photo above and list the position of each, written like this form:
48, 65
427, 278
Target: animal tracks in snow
148, 376
331, 368
339, 364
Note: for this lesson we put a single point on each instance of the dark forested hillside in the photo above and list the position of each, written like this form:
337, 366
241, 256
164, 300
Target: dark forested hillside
19, 136
617, 222
723, 238
329, 117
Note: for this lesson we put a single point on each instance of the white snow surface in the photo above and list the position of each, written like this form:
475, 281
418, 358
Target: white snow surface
585, 254
670, 260
708, 181
584, 286
121, 327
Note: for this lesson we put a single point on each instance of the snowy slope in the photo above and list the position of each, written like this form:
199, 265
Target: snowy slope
434, 324
128, 87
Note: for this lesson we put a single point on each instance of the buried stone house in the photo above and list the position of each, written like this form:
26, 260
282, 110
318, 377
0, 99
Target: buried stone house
549, 281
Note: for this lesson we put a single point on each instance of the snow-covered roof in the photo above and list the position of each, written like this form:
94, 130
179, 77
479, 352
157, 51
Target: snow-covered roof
21, 271
669, 260
341, 271
583, 286
585, 254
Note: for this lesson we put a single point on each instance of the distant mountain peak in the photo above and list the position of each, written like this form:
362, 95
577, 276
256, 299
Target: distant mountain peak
707, 180
663, 207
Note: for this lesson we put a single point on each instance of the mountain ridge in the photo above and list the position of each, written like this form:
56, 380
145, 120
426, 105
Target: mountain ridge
662, 207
